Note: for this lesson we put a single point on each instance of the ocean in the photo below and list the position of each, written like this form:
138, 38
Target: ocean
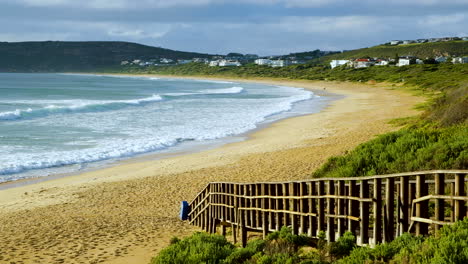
62, 123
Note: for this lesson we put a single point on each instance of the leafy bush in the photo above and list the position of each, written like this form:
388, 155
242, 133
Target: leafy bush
198, 248
344, 245
404, 150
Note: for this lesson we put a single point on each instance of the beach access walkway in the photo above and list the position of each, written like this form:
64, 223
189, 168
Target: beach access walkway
375, 208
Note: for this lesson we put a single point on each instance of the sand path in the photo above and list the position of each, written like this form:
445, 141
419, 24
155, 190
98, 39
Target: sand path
126, 213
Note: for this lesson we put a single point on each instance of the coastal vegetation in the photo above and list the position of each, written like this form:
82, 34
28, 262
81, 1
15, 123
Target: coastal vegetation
449, 245
63, 56
421, 50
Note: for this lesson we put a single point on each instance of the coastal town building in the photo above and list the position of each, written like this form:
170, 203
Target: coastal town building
362, 63
336, 63
280, 63
404, 62
381, 62
441, 59
460, 60
184, 61
262, 61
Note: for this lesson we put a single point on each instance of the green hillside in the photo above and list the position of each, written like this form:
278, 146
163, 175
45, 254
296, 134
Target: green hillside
422, 50
60, 56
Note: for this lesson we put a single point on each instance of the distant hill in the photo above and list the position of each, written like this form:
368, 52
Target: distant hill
63, 56
423, 50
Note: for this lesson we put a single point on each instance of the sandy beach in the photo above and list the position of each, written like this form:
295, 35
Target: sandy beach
128, 212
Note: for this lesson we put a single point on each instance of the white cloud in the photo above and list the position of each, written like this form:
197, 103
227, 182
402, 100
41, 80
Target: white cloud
327, 24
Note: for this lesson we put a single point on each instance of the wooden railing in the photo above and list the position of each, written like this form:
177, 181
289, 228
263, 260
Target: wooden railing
376, 208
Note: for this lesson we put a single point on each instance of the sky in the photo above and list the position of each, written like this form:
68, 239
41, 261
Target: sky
264, 27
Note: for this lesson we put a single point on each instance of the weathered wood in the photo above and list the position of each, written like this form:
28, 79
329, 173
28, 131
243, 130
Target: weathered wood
285, 204
264, 214
321, 207
331, 211
341, 208
377, 211
389, 210
293, 207
421, 207
460, 209
303, 208
312, 209
307, 206
439, 203
279, 206
403, 205
353, 209
364, 213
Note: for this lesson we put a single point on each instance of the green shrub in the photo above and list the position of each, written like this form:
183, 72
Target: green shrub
198, 248
404, 150
344, 245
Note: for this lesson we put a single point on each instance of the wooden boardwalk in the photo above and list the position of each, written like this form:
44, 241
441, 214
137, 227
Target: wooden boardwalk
376, 208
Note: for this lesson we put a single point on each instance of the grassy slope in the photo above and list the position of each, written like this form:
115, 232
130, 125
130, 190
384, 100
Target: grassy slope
423, 50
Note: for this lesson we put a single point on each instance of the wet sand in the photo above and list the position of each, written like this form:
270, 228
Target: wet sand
128, 212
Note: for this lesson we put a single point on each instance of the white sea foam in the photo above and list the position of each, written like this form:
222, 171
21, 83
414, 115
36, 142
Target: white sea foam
232, 90
67, 106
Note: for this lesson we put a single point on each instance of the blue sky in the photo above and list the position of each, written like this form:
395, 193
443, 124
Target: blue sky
264, 27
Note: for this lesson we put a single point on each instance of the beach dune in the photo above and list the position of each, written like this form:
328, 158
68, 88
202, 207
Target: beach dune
128, 212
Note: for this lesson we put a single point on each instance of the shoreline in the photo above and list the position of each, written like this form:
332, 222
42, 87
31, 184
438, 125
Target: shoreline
127, 213
180, 149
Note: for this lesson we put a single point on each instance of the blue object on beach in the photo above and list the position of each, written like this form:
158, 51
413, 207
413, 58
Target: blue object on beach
184, 210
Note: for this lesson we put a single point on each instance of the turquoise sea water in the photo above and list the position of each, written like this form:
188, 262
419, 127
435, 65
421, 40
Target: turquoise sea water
53, 123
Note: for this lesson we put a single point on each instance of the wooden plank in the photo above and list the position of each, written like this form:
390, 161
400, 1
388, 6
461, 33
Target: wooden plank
364, 213
460, 209
321, 207
243, 229
353, 209
377, 211
331, 211
389, 233
341, 207
439, 203
421, 207
403, 206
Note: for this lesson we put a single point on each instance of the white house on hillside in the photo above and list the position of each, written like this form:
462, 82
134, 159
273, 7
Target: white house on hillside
336, 63
229, 63
403, 62
262, 61
279, 63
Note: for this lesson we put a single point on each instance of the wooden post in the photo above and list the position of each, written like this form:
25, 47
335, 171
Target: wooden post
459, 191
404, 196
285, 205
243, 229
279, 206
264, 214
439, 204
313, 209
390, 210
321, 207
293, 207
341, 207
421, 207
353, 209
377, 211
223, 230
364, 212
303, 208
236, 213
330, 212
